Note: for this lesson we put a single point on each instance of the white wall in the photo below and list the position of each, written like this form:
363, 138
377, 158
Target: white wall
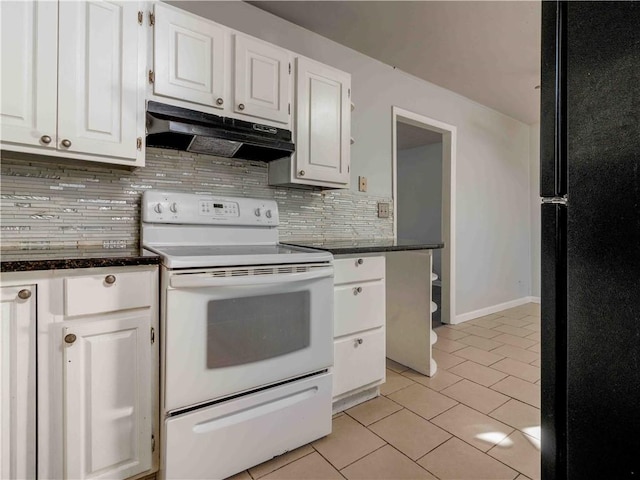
492, 177
534, 187
420, 196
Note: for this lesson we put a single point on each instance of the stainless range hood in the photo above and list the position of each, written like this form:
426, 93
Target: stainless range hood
192, 131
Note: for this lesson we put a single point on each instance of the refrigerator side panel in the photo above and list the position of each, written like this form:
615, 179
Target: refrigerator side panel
603, 236
553, 181
553, 340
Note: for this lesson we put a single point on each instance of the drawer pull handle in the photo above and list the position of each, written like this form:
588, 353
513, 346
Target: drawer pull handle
24, 294
110, 279
219, 101
359, 262
66, 143
357, 290
241, 106
356, 342
46, 139
70, 338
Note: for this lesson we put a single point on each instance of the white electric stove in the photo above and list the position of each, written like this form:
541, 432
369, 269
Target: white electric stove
246, 334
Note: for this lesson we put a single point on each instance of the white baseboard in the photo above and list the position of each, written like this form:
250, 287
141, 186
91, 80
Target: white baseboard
464, 317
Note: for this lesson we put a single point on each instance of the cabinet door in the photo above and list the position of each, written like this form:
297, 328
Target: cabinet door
107, 398
261, 80
323, 122
101, 83
18, 382
188, 56
29, 73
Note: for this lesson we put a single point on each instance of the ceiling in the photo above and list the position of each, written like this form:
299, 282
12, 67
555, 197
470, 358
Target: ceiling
488, 51
409, 136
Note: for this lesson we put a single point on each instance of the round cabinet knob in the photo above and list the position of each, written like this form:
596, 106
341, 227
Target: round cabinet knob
267, 214
219, 101
24, 294
257, 212
241, 106
301, 173
356, 342
359, 261
110, 279
46, 139
66, 143
174, 207
158, 208
70, 338
357, 290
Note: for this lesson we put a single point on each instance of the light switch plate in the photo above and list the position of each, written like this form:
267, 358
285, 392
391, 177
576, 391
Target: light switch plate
383, 210
362, 184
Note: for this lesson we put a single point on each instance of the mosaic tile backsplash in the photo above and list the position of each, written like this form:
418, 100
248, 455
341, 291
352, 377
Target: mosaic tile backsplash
48, 203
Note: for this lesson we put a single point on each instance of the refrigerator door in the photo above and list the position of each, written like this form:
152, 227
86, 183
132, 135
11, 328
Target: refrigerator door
603, 240
553, 168
554, 339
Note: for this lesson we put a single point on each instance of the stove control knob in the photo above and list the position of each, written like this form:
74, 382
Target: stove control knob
257, 212
174, 207
158, 208
267, 214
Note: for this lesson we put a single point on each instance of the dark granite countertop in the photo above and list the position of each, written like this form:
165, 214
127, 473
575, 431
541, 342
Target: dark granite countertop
358, 246
58, 259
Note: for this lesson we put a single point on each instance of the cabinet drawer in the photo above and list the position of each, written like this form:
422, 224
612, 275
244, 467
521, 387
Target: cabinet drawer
358, 306
108, 292
358, 269
358, 361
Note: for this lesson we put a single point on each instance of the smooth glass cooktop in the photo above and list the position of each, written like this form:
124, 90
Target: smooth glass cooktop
224, 250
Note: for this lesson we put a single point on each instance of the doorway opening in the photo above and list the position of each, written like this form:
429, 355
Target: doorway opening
423, 154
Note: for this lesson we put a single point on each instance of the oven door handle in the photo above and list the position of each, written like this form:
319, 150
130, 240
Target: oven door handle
195, 280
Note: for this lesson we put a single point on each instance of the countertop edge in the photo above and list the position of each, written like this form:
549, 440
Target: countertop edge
347, 250
11, 266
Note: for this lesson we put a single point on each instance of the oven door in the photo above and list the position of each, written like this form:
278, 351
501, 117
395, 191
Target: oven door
228, 331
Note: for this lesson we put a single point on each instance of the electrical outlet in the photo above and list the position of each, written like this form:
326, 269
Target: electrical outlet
383, 210
362, 184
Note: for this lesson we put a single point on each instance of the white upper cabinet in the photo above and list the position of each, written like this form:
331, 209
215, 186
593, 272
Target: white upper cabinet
29, 73
189, 57
262, 73
73, 79
98, 102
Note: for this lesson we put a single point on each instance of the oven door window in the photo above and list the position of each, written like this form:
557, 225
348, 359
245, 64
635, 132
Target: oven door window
249, 329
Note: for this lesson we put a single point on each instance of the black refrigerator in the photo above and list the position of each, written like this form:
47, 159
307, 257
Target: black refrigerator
590, 275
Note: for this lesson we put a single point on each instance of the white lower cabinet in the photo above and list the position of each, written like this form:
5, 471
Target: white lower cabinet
18, 382
359, 327
97, 373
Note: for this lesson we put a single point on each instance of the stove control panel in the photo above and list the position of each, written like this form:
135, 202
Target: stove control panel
190, 209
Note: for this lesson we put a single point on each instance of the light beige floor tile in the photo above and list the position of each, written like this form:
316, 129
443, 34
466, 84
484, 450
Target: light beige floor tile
514, 341
535, 336
514, 322
521, 452
411, 434
539, 382
478, 373
312, 466
537, 363
394, 382
516, 353
519, 389
476, 396
446, 360
339, 414
533, 318
519, 415
518, 369
386, 464
280, 461
534, 327
450, 333
442, 379
473, 427
348, 442
240, 476
456, 460
421, 400
480, 342
515, 312
486, 322
373, 410
482, 332
447, 345
395, 366
510, 329
535, 348
522, 477
491, 316
458, 326
479, 356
